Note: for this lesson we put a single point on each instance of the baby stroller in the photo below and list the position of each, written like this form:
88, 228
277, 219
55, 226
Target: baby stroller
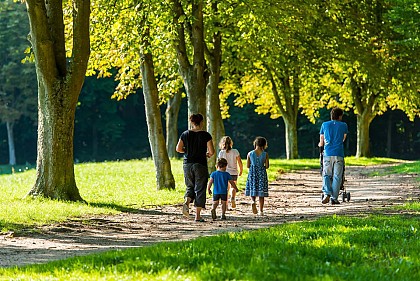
344, 194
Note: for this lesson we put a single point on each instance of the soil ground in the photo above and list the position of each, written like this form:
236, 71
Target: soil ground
293, 197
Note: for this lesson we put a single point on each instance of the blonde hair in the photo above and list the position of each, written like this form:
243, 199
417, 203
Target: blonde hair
226, 143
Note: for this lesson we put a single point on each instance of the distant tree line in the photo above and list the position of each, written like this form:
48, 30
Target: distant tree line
107, 129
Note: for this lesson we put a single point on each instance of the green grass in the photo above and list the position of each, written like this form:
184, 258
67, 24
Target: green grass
330, 248
112, 187
108, 187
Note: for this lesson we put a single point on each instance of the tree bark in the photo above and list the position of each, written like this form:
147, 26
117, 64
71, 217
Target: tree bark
60, 80
11, 142
288, 105
172, 111
214, 116
290, 123
364, 104
193, 74
164, 177
363, 126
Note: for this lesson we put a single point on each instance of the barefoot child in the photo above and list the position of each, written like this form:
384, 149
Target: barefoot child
234, 162
220, 178
257, 182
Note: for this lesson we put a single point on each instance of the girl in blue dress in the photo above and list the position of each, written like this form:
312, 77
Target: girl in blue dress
257, 181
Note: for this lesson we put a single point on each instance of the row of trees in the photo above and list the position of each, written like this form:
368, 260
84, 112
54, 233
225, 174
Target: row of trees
285, 58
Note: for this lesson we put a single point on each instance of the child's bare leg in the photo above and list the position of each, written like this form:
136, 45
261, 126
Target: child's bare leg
213, 210
215, 204
233, 197
254, 205
261, 199
224, 207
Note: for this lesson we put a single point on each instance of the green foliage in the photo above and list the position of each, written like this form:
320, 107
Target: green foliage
331, 248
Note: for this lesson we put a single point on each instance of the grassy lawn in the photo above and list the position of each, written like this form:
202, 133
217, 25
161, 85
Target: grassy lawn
330, 248
112, 187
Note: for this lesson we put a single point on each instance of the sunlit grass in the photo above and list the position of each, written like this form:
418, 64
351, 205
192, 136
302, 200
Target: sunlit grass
330, 248
112, 187
108, 187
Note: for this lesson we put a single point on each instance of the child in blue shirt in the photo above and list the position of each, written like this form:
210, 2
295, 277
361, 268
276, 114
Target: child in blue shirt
221, 179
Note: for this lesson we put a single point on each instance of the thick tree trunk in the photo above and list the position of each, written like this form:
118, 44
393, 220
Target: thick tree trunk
11, 142
164, 177
172, 111
192, 73
55, 168
363, 125
60, 80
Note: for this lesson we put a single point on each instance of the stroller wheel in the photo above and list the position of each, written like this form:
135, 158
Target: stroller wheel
344, 196
348, 196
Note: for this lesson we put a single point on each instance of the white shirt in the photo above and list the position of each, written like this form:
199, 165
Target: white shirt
232, 167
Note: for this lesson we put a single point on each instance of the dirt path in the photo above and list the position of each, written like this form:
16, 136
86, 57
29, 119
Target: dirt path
293, 197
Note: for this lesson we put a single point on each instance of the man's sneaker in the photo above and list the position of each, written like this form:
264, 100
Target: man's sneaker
233, 201
185, 210
223, 217
261, 214
334, 201
254, 208
325, 199
213, 214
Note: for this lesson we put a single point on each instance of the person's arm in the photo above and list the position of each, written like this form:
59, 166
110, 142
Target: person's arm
241, 167
209, 185
233, 184
321, 140
180, 146
345, 136
210, 149
248, 161
267, 161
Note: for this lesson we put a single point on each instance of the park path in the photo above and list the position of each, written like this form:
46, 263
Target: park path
293, 197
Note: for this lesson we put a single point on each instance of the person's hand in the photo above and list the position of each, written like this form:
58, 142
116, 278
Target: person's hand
237, 190
209, 190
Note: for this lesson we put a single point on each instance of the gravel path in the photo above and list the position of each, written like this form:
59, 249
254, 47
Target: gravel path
293, 197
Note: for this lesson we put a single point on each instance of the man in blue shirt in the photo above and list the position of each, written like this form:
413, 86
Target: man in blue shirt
332, 136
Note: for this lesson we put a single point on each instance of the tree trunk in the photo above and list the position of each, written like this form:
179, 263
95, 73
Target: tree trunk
291, 137
193, 74
288, 104
60, 80
172, 111
365, 105
363, 125
55, 168
214, 116
164, 177
11, 142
